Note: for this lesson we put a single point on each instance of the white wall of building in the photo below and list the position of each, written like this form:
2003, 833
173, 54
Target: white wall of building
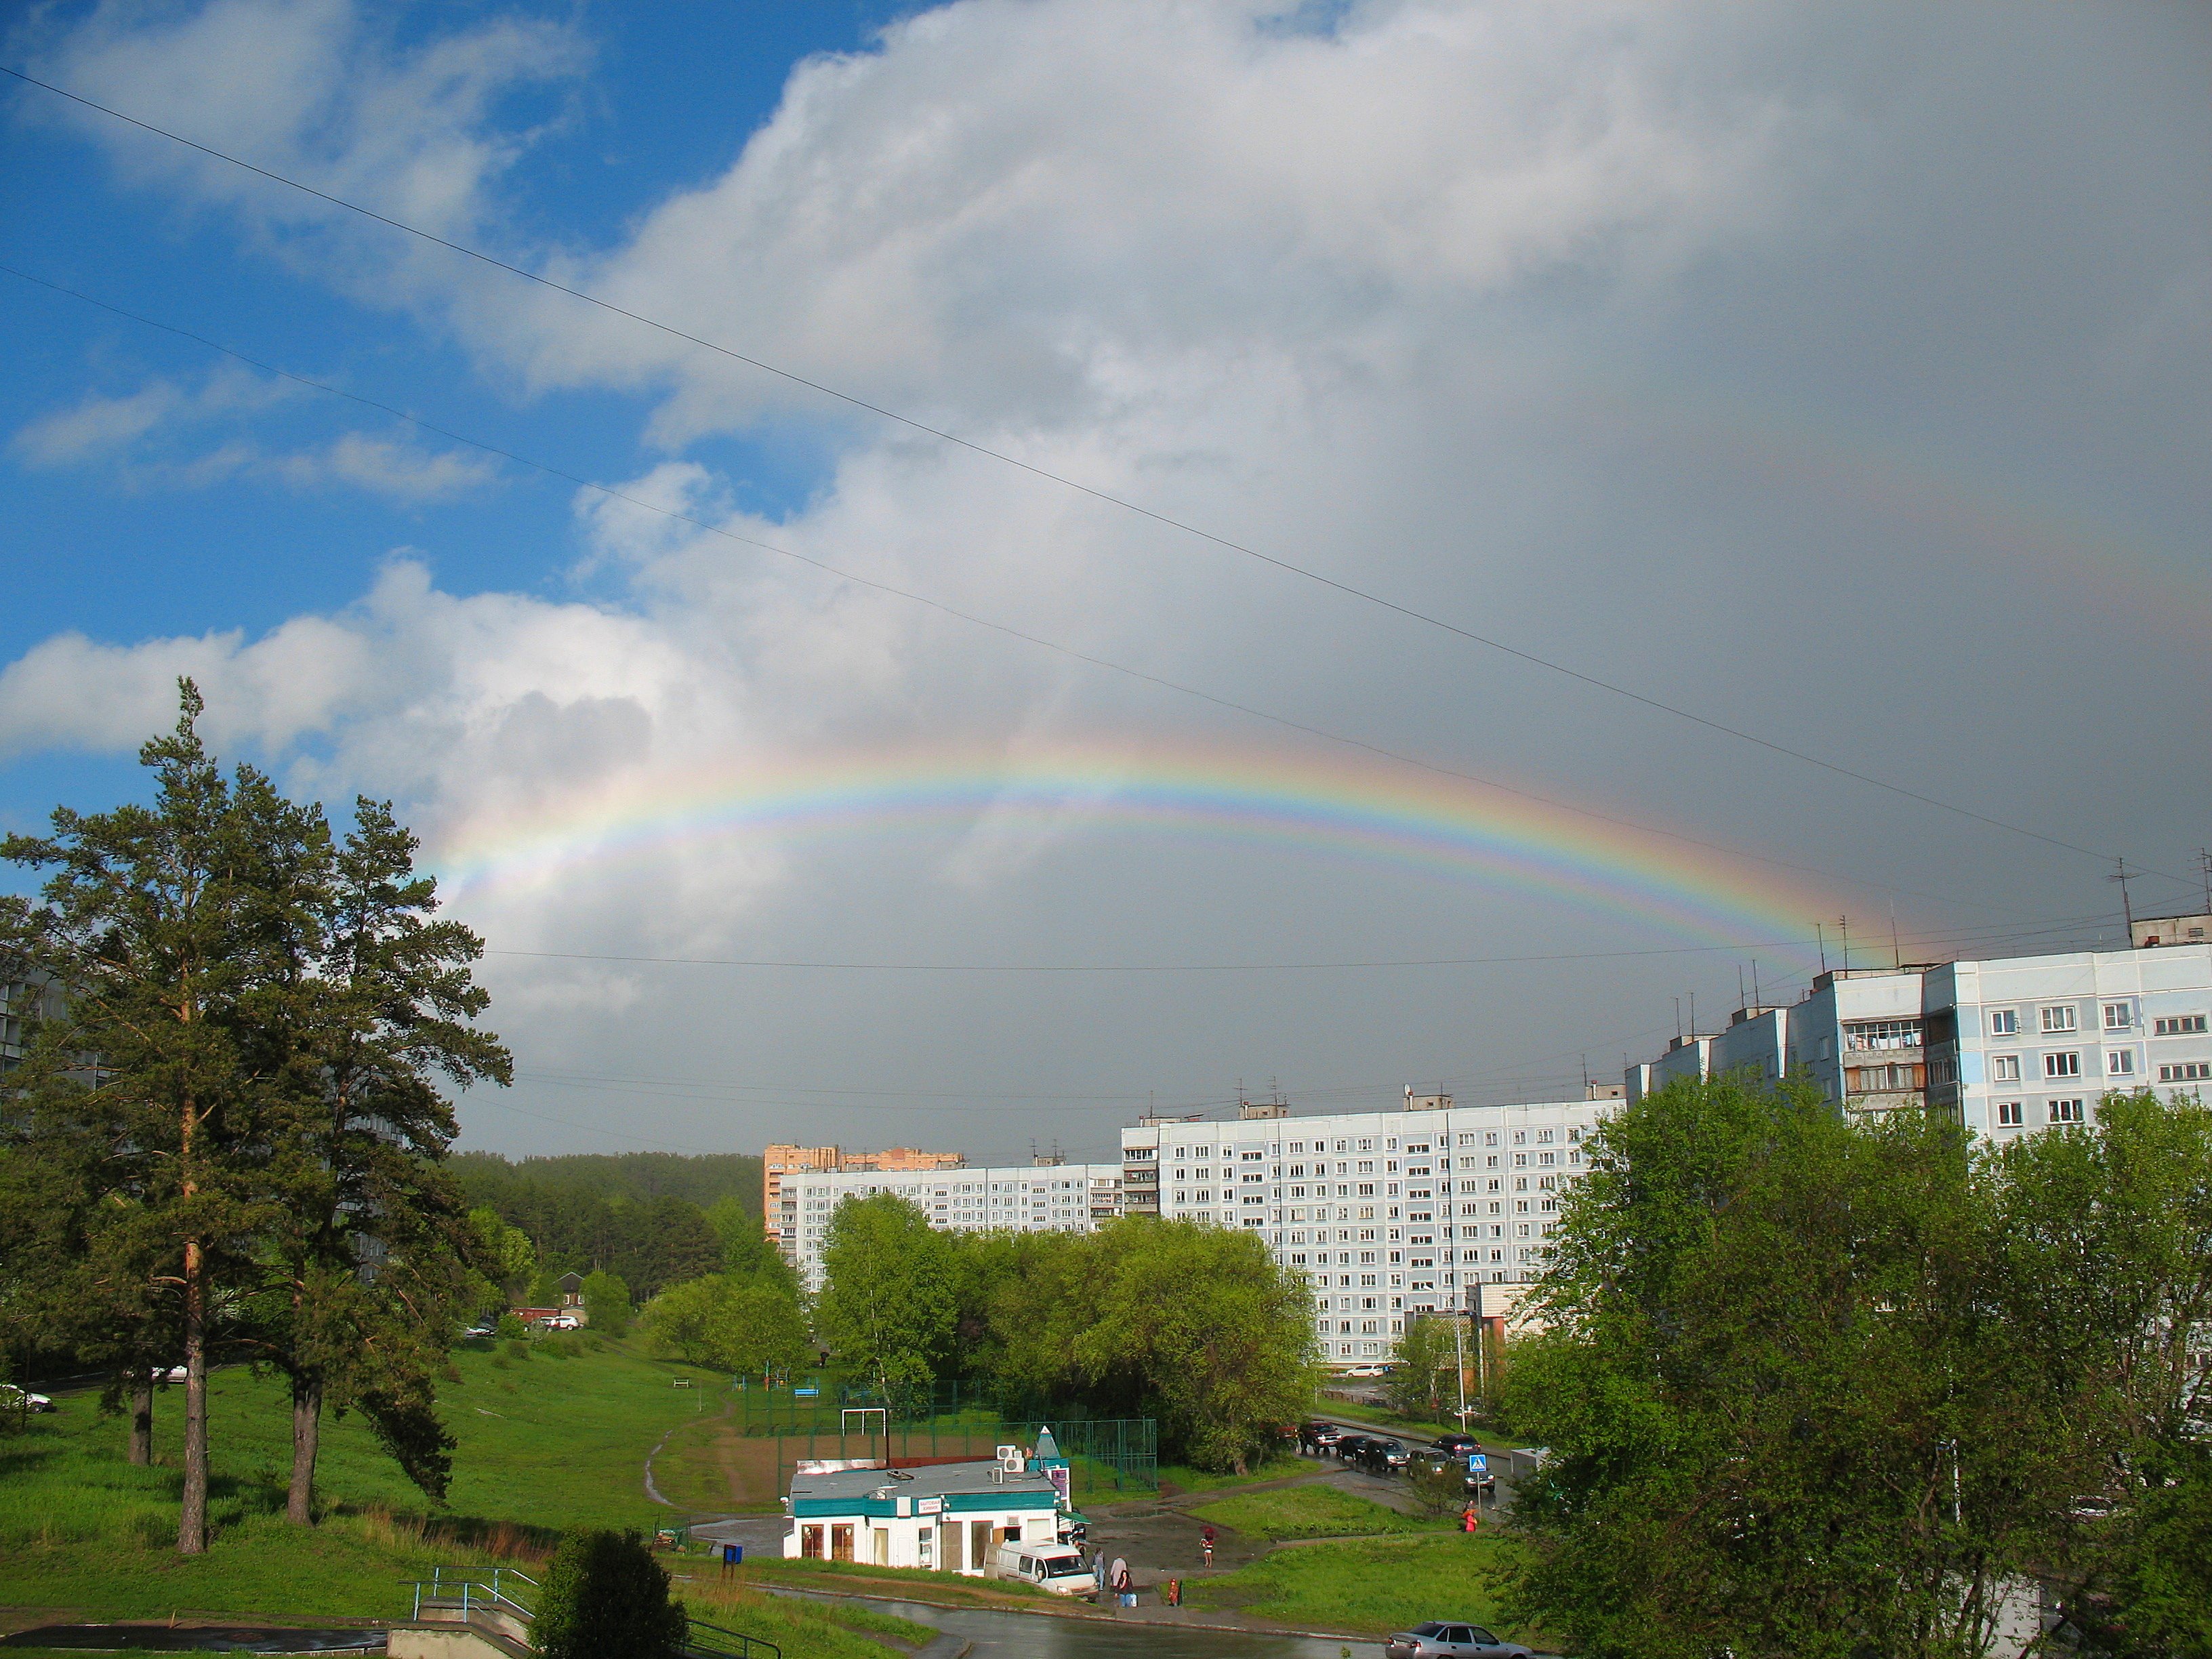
1061, 1197
1386, 1213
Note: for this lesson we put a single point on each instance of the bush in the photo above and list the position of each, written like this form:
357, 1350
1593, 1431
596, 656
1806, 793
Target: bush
518, 1349
605, 1597
510, 1327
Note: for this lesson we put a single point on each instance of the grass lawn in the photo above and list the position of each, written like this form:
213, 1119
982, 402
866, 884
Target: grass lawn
1371, 1588
1310, 1511
1181, 1477
544, 1443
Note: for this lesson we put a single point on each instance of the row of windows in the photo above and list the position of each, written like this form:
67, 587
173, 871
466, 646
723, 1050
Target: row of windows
1569, 1136
2118, 1016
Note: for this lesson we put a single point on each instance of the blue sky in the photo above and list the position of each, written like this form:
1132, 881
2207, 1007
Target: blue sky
1838, 373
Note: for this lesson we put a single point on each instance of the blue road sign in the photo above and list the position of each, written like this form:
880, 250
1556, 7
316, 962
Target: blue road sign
1477, 1463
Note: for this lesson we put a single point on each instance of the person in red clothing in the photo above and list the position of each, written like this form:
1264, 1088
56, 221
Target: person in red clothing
1471, 1520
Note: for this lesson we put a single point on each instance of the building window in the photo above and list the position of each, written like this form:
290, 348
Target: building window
2062, 1065
2008, 1114
2120, 1062
2191, 1071
2058, 1019
2004, 1022
2066, 1111
1882, 1034
2116, 1017
2178, 1025
2004, 1068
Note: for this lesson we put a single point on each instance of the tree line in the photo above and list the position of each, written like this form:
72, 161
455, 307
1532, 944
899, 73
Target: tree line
1197, 1328
1823, 1387
226, 1135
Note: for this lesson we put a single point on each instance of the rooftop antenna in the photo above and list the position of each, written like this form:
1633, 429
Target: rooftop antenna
2122, 876
1821, 939
1585, 1077
1678, 1022
2204, 864
1843, 927
1694, 1016
1739, 985
1896, 956
1754, 982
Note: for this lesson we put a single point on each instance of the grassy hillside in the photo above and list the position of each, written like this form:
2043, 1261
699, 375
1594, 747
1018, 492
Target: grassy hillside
545, 1441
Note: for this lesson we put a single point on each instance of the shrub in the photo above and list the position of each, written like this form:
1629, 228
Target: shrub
510, 1327
605, 1597
518, 1349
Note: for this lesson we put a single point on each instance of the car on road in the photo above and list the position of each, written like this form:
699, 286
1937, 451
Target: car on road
1318, 1437
1348, 1446
1439, 1639
1056, 1568
1383, 1456
13, 1399
1459, 1444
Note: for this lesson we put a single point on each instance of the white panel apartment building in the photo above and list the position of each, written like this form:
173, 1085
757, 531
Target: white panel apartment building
1060, 1198
2008, 1046
1388, 1213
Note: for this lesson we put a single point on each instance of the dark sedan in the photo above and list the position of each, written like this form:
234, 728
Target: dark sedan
1349, 1446
1318, 1437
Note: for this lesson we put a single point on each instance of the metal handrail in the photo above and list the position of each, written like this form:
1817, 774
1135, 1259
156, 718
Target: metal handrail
474, 1593
707, 1650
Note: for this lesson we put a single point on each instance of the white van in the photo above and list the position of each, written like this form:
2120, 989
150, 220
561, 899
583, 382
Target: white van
1054, 1567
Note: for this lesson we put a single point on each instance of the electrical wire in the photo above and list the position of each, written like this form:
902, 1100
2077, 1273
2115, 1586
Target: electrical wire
1971, 935
1281, 721
1348, 590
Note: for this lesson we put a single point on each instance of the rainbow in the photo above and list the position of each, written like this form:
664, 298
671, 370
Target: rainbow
1439, 828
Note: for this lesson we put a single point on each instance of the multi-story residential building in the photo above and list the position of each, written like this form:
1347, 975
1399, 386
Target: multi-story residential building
1387, 1214
2007, 1045
1043, 1197
21, 1000
779, 1213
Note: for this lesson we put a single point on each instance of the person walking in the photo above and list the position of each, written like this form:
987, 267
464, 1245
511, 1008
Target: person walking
1098, 1572
1471, 1520
1206, 1544
1125, 1587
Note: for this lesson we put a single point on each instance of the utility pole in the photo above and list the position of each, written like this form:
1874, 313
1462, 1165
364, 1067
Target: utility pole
2204, 864
2122, 876
1459, 1366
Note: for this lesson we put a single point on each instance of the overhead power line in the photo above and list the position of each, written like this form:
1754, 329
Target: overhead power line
1281, 721
1365, 596
1953, 935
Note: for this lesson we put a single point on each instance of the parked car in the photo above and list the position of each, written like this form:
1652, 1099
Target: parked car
1363, 1370
168, 1374
1349, 1446
563, 1322
1439, 1640
1318, 1437
1383, 1456
13, 1399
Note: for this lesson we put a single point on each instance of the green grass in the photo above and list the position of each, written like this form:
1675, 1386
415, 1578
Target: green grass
1183, 1477
1368, 1588
544, 1442
1310, 1511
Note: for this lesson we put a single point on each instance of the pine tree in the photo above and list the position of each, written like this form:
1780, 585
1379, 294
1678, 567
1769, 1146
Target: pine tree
154, 922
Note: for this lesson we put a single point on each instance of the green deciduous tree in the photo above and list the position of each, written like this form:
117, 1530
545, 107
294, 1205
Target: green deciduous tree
1820, 1387
1425, 1373
738, 1325
606, 1303
1197, 1325
887, 1301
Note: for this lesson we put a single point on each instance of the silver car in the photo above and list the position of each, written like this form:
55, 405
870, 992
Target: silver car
1439, 1640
